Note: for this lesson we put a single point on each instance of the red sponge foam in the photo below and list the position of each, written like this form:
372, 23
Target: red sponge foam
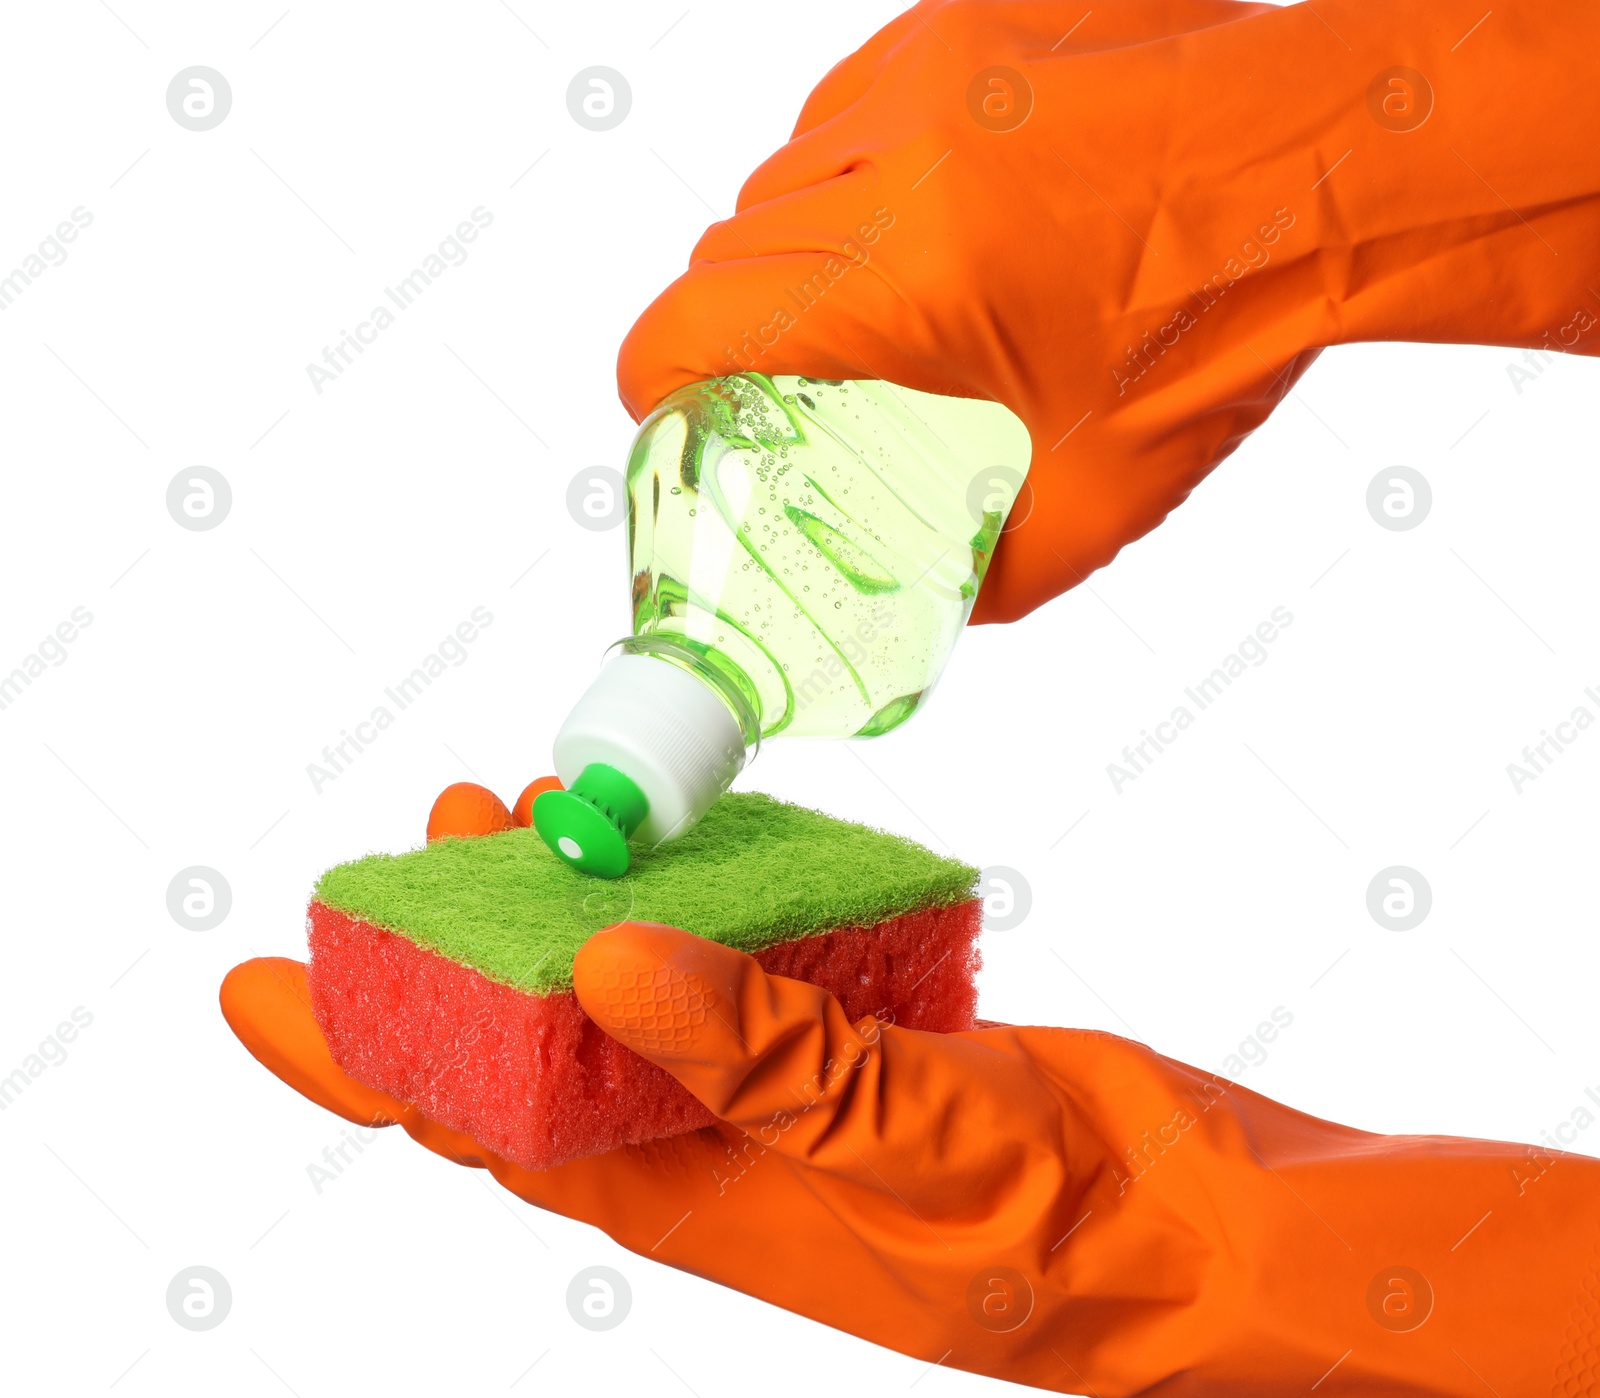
536, 1081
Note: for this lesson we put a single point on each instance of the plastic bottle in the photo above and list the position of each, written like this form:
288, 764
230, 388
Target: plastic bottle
804, 554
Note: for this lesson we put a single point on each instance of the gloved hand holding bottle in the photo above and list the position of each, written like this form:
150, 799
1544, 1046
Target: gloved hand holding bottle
1095, 245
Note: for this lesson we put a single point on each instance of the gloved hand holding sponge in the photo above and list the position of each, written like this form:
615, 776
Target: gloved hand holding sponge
1055, 1207
1105, 240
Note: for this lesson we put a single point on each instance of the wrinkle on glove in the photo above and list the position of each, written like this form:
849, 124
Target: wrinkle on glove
1054, 1207
1136, 224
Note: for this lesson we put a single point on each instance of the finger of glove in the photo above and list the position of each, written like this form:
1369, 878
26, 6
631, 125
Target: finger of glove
826, 151
631, 1192
268, 1006
932, 1118
839, 124
783, 314
844, 83
1031, 30
820, 219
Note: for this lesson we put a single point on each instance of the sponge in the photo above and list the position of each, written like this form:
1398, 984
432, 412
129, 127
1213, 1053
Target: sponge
444, 976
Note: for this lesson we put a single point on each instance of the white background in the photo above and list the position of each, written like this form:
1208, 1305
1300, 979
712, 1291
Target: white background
369, 520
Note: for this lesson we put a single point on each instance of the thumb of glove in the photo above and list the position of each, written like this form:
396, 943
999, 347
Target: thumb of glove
747, 1044
926, 1116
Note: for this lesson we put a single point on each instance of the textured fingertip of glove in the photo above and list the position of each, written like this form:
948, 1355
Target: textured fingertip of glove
631, 981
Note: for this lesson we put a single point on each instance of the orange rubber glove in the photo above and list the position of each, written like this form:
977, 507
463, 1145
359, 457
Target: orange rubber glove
1055, 1207
1136, 222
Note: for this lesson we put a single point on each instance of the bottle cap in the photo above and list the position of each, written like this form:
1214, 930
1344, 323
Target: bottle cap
659, 728
589, 823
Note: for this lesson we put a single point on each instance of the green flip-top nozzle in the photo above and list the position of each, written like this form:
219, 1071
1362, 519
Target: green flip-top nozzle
589, 823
